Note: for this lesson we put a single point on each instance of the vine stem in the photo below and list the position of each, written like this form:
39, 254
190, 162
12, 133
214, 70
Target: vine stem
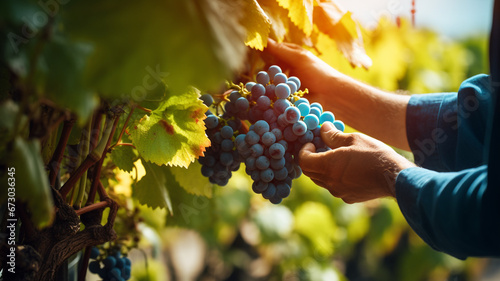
124, 144
92, 207
85, 151
97, 172
55, 162
144, 109
97, 153
124, 127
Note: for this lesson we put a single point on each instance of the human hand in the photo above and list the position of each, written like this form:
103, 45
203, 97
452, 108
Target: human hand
357, 169
315, 74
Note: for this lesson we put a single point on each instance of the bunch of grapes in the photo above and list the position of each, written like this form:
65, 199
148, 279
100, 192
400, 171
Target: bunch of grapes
111, 265
282, 121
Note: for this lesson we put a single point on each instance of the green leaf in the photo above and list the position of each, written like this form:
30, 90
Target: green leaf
151, 190
124, 157
139, 44
60, 70
315, 222
31, 181
192, 180
190, 211
174, 134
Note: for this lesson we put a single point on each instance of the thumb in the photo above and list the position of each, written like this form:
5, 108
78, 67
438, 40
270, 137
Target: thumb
333, 137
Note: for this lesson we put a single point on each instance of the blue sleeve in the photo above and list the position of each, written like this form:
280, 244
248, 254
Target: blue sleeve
448, 201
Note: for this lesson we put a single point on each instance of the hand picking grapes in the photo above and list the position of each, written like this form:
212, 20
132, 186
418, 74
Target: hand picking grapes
451, 198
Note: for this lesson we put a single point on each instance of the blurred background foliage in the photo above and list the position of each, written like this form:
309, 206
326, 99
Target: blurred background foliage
236, 235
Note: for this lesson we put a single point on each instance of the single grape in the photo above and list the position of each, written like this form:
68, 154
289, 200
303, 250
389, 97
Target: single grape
257, 150
263, 102
282, 91
242, 104
293, 87
270, 91
304, 108
283, 190
226, 132
252, 138
115, 273
259, 186
292, 115
281, 105
240, 140
275, 199
269, 115
315, 111
312, 121
301, 100
278, 134
207, 171
270, 191
227, 145
307, 137
289, 135
249, 85
281, 174
273, 70
109, 262
230, 109
279, 78
226, 158
277, 164
299, 128
235, 95
257, 91
295, 80
282, 121
276, 151
211, 121
207, 99
267, 175
261, 127
255, 114
326, 116
318, 106
94, 267
94, 252
250, 163
268, 138
262, 78
262, 162
255, 175
284, 144
339, 125
119, 262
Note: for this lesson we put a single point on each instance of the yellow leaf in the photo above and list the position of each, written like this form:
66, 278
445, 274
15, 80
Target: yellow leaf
339, 25
257, 25
300, 12
278, 17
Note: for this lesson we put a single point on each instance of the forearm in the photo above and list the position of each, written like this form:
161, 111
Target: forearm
372, 111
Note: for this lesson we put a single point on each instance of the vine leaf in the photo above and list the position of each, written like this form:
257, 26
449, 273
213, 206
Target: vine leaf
172, 37
152, 190
257, 25
174, 134
278, 17
300, 13
339, 25
124, 157
31, 181
192, 180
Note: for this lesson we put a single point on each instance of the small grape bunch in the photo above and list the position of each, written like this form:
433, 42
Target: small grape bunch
110, 264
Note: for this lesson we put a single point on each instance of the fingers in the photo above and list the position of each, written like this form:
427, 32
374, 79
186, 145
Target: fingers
309, 160
334, 138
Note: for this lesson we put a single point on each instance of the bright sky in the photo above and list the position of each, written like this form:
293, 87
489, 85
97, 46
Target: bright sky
454, 18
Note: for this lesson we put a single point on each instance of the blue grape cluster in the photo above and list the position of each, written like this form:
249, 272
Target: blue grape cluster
282, 122
110, 267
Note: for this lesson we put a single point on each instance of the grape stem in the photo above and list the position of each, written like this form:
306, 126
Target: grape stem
124, 127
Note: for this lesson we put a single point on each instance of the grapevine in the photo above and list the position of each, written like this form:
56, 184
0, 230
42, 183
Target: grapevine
281, 121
